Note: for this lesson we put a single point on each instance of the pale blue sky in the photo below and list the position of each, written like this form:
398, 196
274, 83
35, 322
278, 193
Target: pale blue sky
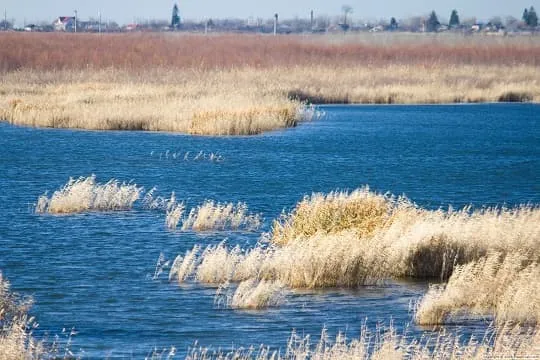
124, 11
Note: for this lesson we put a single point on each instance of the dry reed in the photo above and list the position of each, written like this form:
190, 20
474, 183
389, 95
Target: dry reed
250, 294
16, 341
371, 238
505, 342
140, 51
242, 101
213, 215
506, 287
244, 85
361, 211
84, 194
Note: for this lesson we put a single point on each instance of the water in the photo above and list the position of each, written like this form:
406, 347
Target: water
93, 272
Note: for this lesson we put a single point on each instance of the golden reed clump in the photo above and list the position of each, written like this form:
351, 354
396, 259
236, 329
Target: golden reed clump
350, 239
245, 85
361, 211
372, 237
84, 194
213, 215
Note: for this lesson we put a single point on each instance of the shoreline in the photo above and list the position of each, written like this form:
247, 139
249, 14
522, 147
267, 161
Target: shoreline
244, 101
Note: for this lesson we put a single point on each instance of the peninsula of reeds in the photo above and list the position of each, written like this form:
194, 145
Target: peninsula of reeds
248, 84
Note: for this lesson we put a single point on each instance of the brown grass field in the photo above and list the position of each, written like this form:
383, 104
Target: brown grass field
248, 84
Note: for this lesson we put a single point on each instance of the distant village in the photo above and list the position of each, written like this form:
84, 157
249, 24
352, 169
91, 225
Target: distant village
312, 23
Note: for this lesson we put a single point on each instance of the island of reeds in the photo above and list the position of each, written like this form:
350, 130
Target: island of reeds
248, 84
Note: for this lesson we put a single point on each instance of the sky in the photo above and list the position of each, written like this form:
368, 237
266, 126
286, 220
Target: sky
124, 11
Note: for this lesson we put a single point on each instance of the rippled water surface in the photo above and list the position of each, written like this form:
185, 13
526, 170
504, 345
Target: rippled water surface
93, 272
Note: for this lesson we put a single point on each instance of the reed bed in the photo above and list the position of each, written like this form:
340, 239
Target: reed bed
361, 210
140, 51
243, 101
85, 194
371, 238
505, 342
245, 85
505, 287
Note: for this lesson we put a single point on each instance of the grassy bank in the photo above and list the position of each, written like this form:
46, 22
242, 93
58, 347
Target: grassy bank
242, 85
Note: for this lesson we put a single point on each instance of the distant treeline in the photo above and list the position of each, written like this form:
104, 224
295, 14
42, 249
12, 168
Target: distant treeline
311, 23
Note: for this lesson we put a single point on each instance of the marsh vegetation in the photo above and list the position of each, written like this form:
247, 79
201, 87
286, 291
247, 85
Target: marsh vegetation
244, 85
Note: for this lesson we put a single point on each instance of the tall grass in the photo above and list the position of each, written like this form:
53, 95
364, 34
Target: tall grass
506, 287
85, 194
140, 51
16, 341
353, 239
245, 85
213, 215
505, 342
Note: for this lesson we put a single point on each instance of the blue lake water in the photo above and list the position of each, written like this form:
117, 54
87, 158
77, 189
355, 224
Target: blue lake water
93, 272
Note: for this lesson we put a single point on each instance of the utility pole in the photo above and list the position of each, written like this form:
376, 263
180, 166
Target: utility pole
5, 19
75, 20
99, 21
311, 20
275, 23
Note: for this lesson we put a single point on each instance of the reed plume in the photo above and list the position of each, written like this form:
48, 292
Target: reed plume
84, 194
251, 294
213, 215
386, 343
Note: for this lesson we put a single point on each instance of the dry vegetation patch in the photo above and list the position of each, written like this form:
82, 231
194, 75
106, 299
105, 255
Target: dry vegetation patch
352, 239
16, 341
244, 85
506, 342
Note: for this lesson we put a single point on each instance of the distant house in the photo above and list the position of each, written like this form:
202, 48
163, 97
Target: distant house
132, 27
64, 23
